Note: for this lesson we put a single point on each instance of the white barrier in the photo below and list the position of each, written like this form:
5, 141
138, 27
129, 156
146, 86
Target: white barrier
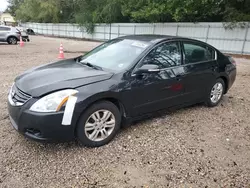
236, 40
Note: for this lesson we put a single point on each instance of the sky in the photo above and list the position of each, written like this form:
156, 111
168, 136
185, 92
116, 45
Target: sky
3, 5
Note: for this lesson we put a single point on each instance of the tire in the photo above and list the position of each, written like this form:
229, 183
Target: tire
93, 134
220, 85
12, 40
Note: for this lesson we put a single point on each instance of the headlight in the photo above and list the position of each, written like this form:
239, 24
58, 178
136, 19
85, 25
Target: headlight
53, 102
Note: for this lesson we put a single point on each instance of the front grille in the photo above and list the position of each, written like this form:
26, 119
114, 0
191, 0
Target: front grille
18, 96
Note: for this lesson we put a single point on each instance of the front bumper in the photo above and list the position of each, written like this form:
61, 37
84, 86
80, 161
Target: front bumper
40, 126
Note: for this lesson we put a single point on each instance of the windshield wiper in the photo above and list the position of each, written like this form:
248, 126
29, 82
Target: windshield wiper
90, 65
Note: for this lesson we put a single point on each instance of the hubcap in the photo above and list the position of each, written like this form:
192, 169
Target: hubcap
216, 92
12, 40
99, 125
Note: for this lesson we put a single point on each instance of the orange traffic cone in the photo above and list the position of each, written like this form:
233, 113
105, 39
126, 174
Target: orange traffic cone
21, 42
61, 54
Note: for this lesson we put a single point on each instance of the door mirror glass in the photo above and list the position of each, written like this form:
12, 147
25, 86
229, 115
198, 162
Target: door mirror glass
147, 68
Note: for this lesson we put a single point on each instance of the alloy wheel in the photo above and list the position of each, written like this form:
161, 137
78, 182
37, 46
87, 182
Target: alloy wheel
216, 92
99, 125
12, 40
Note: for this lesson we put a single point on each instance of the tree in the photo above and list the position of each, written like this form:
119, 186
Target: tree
236, 12
13, 6
89, 12
146, 11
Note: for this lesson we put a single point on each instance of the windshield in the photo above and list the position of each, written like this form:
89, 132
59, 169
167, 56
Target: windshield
116, 54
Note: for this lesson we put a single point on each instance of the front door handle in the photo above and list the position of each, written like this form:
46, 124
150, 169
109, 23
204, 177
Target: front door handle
178, 77
214, 68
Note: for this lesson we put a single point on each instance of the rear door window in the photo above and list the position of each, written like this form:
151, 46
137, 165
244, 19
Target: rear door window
195, 53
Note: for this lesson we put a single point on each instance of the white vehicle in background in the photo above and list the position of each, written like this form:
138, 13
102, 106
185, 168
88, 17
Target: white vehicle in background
9, 34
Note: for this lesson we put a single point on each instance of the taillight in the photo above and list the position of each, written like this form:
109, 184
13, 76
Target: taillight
232, 61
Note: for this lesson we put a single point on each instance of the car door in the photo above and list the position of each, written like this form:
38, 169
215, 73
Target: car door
157, 90
200, 69
3, 33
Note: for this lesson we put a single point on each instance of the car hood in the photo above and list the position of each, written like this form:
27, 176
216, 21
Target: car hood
66, 74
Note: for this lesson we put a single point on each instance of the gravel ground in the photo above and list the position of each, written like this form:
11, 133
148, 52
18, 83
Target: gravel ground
191, 147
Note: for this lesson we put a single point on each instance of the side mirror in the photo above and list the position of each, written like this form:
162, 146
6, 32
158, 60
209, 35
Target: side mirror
146, 69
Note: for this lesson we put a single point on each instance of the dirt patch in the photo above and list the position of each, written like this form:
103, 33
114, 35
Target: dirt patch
191, 147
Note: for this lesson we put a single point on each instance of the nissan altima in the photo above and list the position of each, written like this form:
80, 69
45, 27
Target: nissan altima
88, 97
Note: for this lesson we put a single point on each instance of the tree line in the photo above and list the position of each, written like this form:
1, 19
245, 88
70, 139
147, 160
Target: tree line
89, 12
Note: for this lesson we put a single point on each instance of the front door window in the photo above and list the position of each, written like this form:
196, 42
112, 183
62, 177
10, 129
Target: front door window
165, 55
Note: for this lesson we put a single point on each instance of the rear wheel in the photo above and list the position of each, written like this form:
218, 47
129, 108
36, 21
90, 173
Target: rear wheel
216, 93
12, 40
99, 124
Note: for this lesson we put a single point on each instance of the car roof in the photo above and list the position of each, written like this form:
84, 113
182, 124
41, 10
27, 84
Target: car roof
150, 38
153, 39
156, 38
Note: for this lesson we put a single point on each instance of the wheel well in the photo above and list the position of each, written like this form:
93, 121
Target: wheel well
226, 83
12, 36
117, 103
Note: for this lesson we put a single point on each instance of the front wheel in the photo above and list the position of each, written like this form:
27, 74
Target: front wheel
99, 124
216, 93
